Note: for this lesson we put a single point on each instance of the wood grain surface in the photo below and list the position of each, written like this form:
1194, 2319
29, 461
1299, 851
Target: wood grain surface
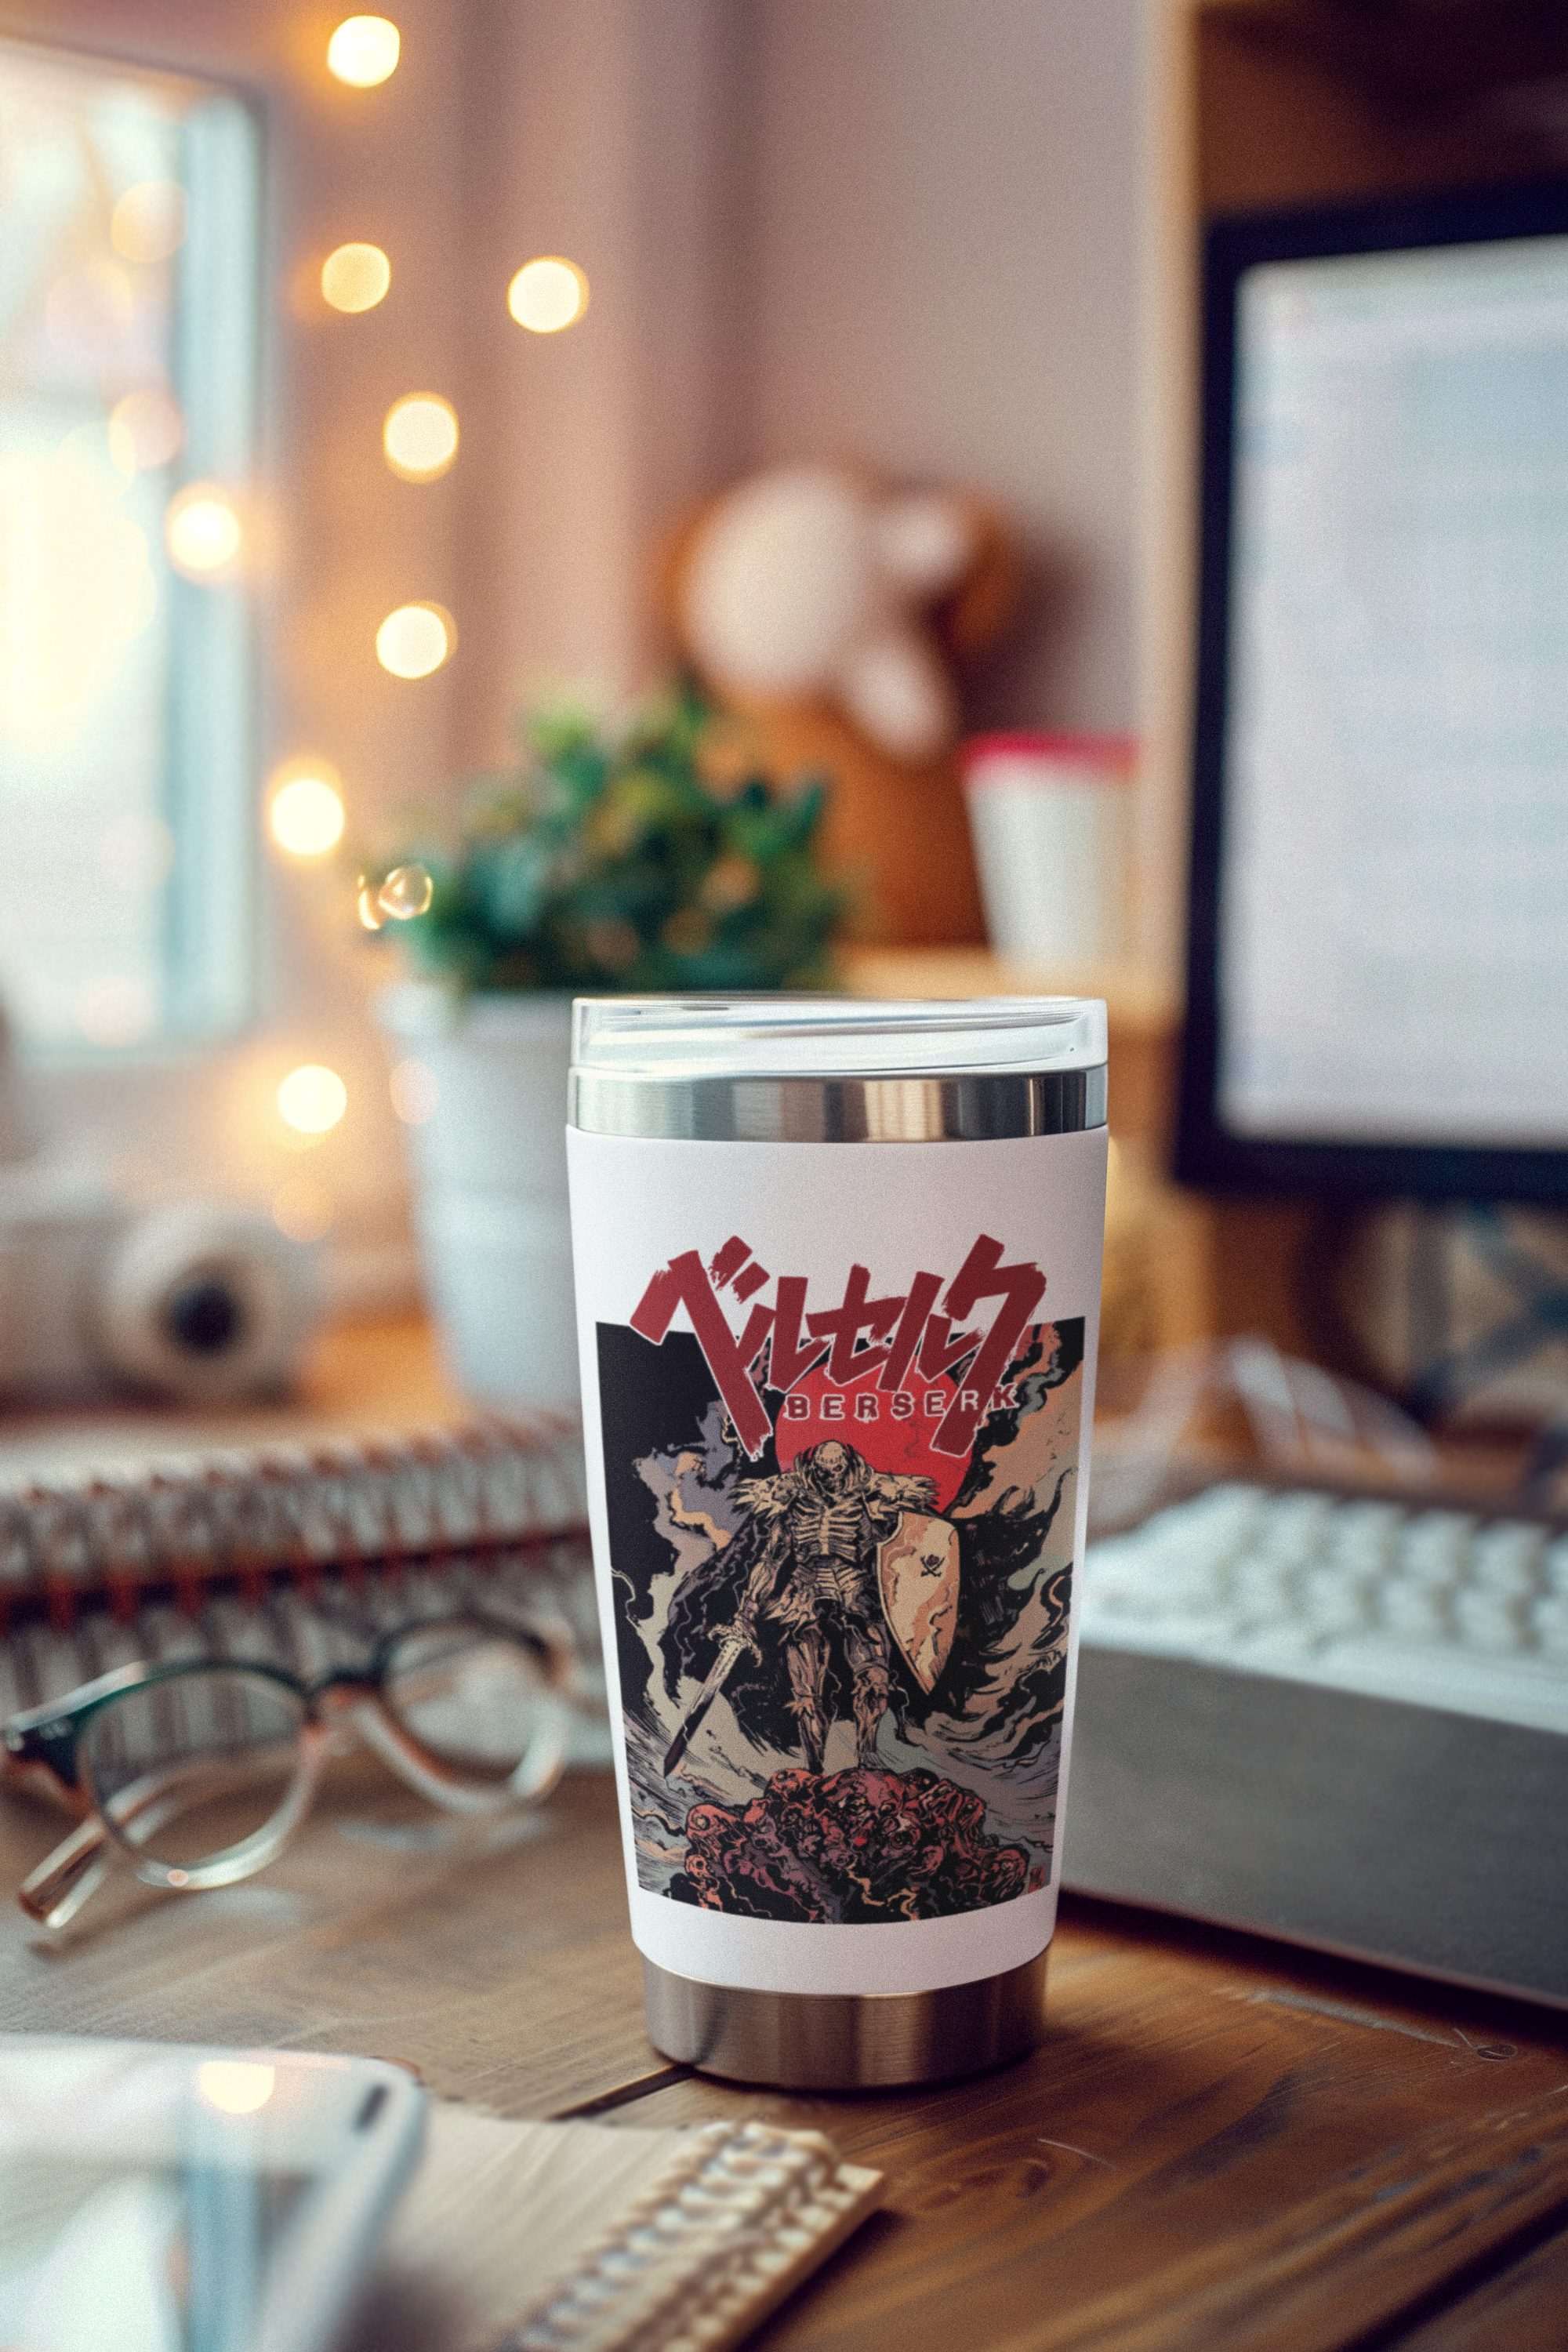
1222, 2142
504, 1972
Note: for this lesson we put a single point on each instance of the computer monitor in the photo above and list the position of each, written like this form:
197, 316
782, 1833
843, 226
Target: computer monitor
1378, 930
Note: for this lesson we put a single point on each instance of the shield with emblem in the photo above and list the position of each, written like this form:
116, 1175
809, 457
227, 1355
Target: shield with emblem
917, 1575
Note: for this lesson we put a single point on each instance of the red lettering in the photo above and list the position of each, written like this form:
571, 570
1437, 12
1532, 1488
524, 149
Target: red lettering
939, 1350
730, 1261
906, 1338
657, 1306
848, 1334
788, 1361
857, 1314
1020, 1289
684, 1283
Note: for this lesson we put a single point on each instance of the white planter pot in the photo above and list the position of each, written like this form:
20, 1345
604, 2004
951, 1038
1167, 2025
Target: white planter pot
488, 1171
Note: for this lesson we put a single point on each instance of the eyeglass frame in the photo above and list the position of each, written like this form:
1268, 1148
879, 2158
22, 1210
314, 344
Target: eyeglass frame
42, 1748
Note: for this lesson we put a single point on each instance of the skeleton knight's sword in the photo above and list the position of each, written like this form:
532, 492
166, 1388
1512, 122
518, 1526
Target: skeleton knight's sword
730, 1649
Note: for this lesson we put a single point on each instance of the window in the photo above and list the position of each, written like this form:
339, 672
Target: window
128, 303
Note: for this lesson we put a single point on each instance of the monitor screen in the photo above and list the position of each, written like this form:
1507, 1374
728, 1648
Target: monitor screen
1379, 927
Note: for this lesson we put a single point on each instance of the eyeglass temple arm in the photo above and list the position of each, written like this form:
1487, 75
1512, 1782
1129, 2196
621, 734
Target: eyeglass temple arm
56, 1891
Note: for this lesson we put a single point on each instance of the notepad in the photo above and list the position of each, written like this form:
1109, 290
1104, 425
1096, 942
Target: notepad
540, 2237
294, 1555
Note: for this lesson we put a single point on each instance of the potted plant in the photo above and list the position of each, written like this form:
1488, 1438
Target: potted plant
642, 860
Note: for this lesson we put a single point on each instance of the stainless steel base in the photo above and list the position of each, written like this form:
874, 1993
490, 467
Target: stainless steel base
847, 2042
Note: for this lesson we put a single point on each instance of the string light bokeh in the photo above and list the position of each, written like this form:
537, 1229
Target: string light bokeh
548, 294
311, 1099
415, 639
202, 531
305, 813
419, 437
364, 51
355, 278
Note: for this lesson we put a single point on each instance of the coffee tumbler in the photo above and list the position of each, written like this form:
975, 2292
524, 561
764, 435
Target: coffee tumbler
838, 1271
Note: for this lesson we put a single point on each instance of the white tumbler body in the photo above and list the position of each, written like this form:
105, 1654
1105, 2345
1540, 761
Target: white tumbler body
836, 1407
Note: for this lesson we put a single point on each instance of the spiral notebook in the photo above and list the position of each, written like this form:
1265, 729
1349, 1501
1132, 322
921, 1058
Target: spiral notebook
576, 2237
292, 1554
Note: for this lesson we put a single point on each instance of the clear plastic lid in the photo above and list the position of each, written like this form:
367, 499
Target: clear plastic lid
834, 1036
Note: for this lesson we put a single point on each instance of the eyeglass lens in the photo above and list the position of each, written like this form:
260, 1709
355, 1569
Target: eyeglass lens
191, 1766
472, 1696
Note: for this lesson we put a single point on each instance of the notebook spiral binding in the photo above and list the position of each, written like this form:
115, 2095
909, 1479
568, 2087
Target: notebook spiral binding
726, 2229
299, 1554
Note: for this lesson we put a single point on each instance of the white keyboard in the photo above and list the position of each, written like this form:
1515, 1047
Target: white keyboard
1433, 1607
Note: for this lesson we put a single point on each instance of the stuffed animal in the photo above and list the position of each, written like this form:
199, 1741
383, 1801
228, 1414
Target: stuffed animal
825, 609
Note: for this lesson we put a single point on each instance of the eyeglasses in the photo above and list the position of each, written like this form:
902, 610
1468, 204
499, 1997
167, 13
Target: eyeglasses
198, 1773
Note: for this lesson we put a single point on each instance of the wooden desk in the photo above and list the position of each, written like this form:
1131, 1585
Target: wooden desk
1222, 2143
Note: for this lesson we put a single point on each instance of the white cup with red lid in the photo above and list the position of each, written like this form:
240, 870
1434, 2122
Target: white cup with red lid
1051, 819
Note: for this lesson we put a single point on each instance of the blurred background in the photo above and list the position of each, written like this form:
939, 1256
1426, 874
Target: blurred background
366, 380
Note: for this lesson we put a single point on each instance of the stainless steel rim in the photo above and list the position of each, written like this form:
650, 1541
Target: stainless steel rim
983, 1108
847, 2042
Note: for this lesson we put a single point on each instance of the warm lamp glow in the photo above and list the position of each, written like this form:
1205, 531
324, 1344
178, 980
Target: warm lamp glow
312, 1098
149, 222
415, 640
420, 436
200, 529
355, 276
364, 51
236, 2086
145, 430
306, 813
547, 295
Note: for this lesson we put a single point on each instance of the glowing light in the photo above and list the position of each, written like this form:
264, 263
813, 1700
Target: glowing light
305, 815
200, 529
364, 51
547, 295
370, 913
149, 222
115, 1011
303, 1210
75, 587
415, 640
89, 311
420, 436
415, 1091
235, 2087
407, 892
145, 430
355, 276
312, 1098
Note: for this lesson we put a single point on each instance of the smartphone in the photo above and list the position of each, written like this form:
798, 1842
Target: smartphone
156, 2199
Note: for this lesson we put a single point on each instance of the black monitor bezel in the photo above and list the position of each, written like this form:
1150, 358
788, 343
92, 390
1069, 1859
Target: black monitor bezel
1208, 1154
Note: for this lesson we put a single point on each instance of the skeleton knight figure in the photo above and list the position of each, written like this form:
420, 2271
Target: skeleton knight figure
845, 1560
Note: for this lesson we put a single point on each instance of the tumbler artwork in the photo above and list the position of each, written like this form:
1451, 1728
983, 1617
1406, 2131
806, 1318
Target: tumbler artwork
837, 1268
